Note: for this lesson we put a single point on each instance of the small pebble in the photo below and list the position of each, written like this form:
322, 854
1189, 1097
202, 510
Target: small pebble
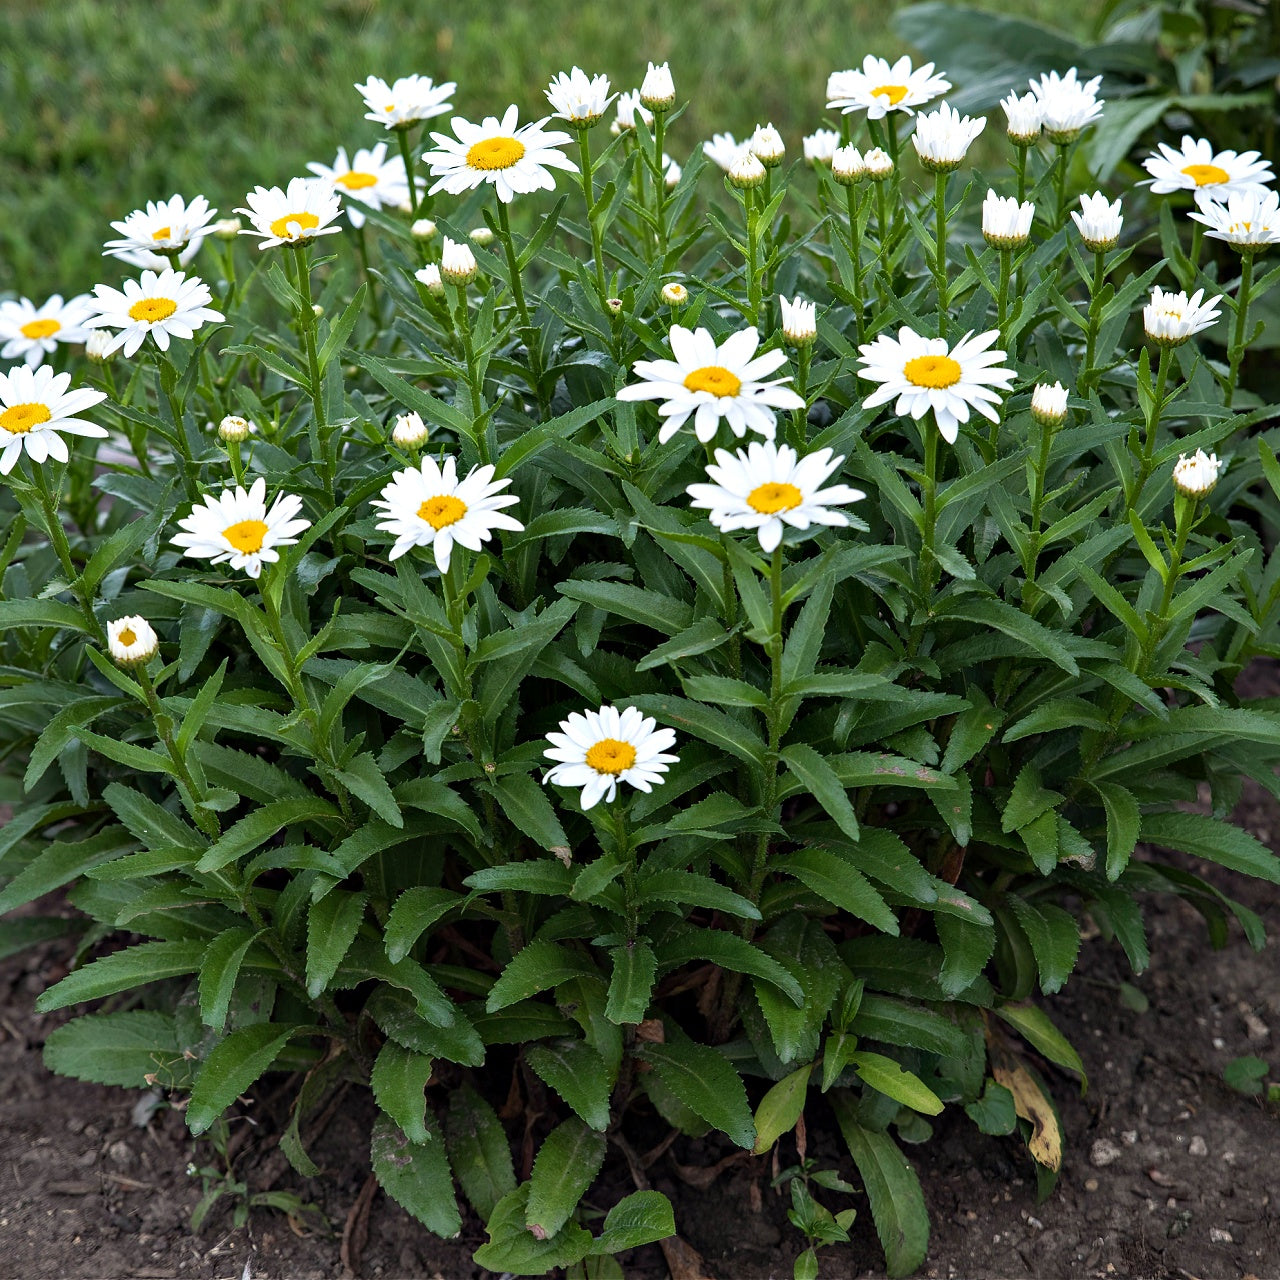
1129, 1137
1198, 1146
1218, 1236
1091, 1184
1103, 1152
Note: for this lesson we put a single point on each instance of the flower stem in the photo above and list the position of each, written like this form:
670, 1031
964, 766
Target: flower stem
62, 548
928, 564
589, 198
940, 256
1060, 184
853, 203
1002, 302
660, 183
1238, 341
1152, 426
627, 854
527, 330
462, 319
406, 154
1095, 319
307, 323
753, 257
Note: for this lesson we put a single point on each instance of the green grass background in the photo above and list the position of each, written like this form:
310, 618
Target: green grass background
104, 105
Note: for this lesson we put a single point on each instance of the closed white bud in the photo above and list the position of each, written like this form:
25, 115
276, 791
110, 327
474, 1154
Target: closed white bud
799, 321
1006, 224
629, 107
848, 166
675, 294
658, 91
820, 147
132, 641
1024, 117
409, 432
430, 276
878, 163
746, 171
1195, 477
227, 228
233, 429
942, 138
423, 229
97, 345
482, 236
1098, 221
457, 262
1049, 404
767, 146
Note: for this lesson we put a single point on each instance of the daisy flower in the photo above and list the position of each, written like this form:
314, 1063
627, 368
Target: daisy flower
1169, 319
237, 527
658, 89
1024, 118
723, 150
370, 178
428, 506
35, 406
924, 373
1212, 175
943, 137
306, 208
1247, 220
514, 158
769, 486
848, 166
148, 235
596, 750
1098, 221
30, 333
406, 101
165, 305
1196, 476
820, 146
880, 88
710, 382
629, 109
1049, 403
579, 98
799, 320
132, 640
1006, 224
767, 146
1067, 104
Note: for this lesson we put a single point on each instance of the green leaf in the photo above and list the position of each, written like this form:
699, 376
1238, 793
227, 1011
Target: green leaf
548, 876
218, 973
478, 1149
341, 329
58, 864
781, 1108
1124, 819
540, 966
716, 727
399, 1081
897, 1203
253, 831
674, 885
416, 1176
114, 1048
577, 1073
332, 925
803, 647
634, 969
730, 952
414, 912
1054, 937
1034, 1026
27, 931
364, 779
894, 1081
820, 780
1028, 800
1013, 622
41, 613
832, 878
994, 1112
122, 970
512, 1249
966, 946
233, 1064
525, 803
707, 1083
649, 608
971, 731
565, 1166
643, 1217
1216, 841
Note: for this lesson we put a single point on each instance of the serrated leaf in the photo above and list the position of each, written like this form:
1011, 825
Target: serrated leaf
362, 777
233, 1064
643, 1217
218, 973
1124, 819
893, 1080
832, 878
707, 1083
994, 1112
512, 1249
416, 1176
525, 803
538, 967
399, 1080
577, 1073
1034, 1025
1217, 841
121, 970
414, 912
631, 983
966, 947
565, 1166
820, 780
113, 1048
478, 1149
332, 925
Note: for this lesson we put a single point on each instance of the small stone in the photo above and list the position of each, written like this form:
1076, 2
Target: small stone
1219, 1042
1129, 1137
120, 1153
1255, 1028
1198, 1146
1218, 1236
1104, 1152
1091, 1184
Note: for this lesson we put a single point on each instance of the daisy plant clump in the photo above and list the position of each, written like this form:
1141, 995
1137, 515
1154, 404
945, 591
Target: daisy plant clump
692, 654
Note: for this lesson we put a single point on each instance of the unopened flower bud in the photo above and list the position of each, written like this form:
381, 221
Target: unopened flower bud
131, 641
820, 147
457, 262
1195, 477
1098, 221
97, 346
848, 167
746, 171
799, 321
767, 146
1049, 404
233, 429
317, 310
675, 294
423, 229
658, 91
430, 276
482, 236
1025, 118
614, 305
1006, 224
409, 432
226, 228
879, 164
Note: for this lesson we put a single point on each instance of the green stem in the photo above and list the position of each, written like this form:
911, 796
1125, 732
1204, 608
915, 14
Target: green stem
62, 548
1060, 184
527, 330
853, 203
660, 184
372, 297
1095, 318
589, 198
1039, 477
1236, 354
1152, 425
753, 257
1002, 302
462, 319
190, 475
940, 256
406, 153
205, 818
307, 323
1021, 167
928, 564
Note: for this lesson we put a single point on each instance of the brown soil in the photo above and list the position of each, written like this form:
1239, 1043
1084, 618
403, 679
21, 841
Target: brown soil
1167, 1173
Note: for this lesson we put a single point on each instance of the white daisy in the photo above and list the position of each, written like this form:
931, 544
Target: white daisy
428, 506
1024, 118
132, 640
1068, 104
167, 305
746, 171
924, 373
579, 98
820, 146
514, 158
848, 166
163, 225
1169, 319
430, 276
409, 432
877, 164
943, 137
1247, 220
658, 89
1212, 175
799, 320
306, 208
767, 146
35, 406
710, 382
1049, 403
769, 486
723, 150
233, 429
630, 108
596, 750
406, 101
370, 178
1196, 476
457, 262
1006, 224
30, 333
674, 294
880, 88
1098, 221
237, 527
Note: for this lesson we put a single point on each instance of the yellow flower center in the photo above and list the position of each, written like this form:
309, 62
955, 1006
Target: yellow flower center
40, 328
611, 756
127, 637
150, 310
356, 181
894, 92
1206, 175
932, 371
442, 510
280, 227
494, 153
246, 536
18, 419
769, 499
719, 381
164, 233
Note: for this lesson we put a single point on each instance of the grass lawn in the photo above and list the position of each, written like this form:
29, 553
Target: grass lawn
105, 104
